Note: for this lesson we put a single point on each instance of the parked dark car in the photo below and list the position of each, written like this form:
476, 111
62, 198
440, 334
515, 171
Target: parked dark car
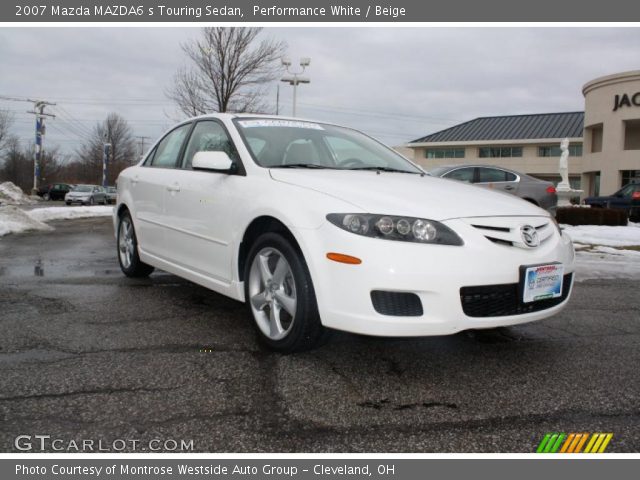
627, 198
54, 191
539, 192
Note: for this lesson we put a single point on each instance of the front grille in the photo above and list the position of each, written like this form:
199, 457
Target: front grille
506, 231
397, 304
505, 299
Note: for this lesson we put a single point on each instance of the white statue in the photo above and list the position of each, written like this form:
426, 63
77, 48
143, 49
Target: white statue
564, 163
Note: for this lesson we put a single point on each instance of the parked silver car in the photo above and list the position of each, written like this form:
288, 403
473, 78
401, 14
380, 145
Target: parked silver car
112, 194
539, 192
86, 195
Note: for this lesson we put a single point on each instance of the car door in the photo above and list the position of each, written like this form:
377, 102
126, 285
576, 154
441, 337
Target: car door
201, 207
149, 184
498, 179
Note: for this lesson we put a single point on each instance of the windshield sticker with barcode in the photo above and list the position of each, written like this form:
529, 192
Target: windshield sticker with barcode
279, 123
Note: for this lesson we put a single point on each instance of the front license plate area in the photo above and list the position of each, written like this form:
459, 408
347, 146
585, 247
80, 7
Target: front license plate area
541, 282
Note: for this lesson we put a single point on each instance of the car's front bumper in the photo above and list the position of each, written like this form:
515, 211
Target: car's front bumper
77, 199
434, 273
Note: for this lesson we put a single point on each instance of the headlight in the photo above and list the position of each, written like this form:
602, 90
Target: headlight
390, 227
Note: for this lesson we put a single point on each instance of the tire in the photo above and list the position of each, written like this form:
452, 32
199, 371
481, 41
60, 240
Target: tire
92, 201
68, 203
293, 325
127, 248
46, 197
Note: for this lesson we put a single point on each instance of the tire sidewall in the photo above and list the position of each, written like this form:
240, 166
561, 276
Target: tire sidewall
306, 321
133, 269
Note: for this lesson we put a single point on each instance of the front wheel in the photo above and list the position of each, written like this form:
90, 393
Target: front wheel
46, 197
128, 257
280, 296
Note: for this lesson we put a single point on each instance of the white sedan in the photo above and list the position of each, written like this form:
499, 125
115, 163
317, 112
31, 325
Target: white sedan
321, 227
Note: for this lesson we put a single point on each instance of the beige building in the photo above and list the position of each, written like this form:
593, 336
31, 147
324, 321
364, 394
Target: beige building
604, 139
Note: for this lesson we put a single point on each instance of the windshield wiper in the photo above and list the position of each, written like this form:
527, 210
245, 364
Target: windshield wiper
299, 165
384, 169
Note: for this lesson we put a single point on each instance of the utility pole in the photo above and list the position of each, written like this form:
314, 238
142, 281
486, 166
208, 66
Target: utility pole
142, 142
106, 152
38, 111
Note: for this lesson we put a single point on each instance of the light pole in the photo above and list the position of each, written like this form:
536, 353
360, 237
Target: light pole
294, 78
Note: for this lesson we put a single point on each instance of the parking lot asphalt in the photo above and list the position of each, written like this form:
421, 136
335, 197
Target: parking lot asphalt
86, 353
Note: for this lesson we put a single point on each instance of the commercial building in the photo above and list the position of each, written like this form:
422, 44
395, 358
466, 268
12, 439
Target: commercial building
604, 139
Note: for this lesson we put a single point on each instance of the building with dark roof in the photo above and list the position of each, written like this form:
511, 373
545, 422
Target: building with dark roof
604, 139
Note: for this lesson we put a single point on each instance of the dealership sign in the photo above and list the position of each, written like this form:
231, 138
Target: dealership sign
625, 100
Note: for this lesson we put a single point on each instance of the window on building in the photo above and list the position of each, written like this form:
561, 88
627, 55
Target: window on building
444, 153
499, 152
596, 138
632, 135
630, 176
575, 150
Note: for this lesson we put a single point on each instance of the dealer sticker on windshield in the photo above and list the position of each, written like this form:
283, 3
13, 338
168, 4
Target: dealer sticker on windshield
267, 122
542, 282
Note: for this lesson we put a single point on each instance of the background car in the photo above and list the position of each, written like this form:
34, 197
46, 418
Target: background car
112, 194
86, 195
627, 198
54, 191
539, 192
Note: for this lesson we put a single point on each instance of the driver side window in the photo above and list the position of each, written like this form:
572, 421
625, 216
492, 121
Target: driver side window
208, 136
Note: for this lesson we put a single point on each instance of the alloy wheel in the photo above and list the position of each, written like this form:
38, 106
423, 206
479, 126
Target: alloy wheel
126, 244
272, 293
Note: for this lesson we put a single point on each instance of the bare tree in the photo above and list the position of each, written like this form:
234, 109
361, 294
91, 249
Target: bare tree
229, 72
6, 120
116, 131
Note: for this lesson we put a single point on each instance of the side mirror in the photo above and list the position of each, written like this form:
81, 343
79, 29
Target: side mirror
213, 161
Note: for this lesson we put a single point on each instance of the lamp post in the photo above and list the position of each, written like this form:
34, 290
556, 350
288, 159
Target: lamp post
294, 78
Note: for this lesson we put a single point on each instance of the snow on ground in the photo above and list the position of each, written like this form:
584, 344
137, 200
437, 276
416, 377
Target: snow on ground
603, 235
606, 252
11, 194
48, 214
16, 220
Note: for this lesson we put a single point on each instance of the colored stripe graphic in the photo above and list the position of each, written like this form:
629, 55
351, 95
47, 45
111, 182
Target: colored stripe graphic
574, 443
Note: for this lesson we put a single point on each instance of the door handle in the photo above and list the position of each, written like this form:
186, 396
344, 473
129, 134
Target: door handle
174, 188
508, 187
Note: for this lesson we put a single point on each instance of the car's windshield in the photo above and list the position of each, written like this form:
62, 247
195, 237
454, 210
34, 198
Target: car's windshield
83, 188
277, 143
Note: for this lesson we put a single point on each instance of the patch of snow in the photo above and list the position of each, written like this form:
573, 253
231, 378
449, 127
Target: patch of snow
47, 214
14, 220
10, 194
604, 235
595, 265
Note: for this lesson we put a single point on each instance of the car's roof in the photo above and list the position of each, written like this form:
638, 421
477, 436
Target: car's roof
258, 115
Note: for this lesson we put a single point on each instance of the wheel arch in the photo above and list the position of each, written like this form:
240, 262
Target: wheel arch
258, 226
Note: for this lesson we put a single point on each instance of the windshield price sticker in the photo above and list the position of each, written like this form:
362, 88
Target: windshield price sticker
279, 123
542, 282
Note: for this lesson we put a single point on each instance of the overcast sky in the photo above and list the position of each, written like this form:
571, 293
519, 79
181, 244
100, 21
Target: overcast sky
396, 84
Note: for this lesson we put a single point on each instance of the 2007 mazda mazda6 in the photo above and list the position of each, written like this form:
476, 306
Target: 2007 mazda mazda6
317, 227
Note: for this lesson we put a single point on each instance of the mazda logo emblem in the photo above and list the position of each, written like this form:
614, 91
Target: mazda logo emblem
529, 236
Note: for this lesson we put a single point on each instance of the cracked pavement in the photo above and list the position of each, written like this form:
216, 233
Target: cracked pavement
86, 353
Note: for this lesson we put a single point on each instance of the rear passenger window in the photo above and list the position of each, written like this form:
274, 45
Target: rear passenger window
488, 175
511, 177
166, 154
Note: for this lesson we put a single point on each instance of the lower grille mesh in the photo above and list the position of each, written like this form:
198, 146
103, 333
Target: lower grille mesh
503, 300
397, 304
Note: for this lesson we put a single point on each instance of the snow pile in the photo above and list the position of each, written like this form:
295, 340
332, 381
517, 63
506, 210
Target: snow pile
48, 214
603, 235
14, 220
10, 194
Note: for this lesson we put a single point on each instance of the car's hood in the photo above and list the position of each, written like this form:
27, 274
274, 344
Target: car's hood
408, 194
